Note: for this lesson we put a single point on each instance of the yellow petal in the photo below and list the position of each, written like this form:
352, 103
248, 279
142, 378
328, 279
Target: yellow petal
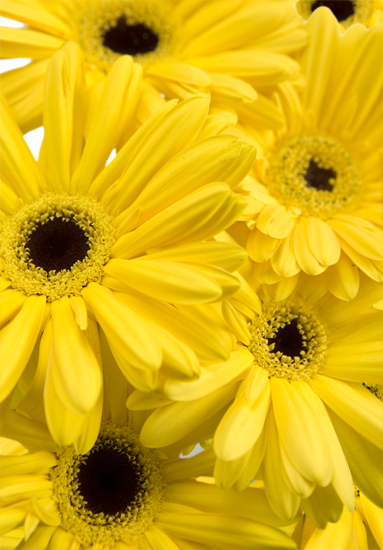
26, 464
242, 424
342, 279
198, 216
336, 535
300, 433
260, 246
173, 131
177, 79
323, 506
284, 261
172, 422
275, 221
113, 111
282, 500
49, 517
16, 42
65, 94
77, 364
169, 281
19, 169
323, 242
17, 341
159, 540
373, 516
229, 91
354, 404
211, 378
366, 240
63, 540
255, 382
11, 517
303, 253
124, 329
11, 302
39, 18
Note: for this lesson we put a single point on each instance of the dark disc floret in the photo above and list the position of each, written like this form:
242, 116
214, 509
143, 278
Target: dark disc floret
288, 340
319, 178
108, 482
57, 244
342, 9
128, 39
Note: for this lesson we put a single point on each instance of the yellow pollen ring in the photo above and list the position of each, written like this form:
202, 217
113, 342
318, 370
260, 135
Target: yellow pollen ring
88, 214
264, 328
290, 162
92, 528
98, 17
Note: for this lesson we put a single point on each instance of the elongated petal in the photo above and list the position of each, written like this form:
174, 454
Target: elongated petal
364, 459
19, 168
39, 19
242, 424
211, 378
303, 253
222, 532
196, 217
323, 241
78, 367
159, 540
300, 433
17, 341
284, 261
367, 241
354, 404
342, 279
169, 281
124, 329
113, 111
11, 302
183, 417
275, 221
172, 133
261, 247
15, 42
65, 94
374, 518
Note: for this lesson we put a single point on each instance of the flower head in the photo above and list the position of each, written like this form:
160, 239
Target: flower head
184, 48
315, 203
87, 249
293, 402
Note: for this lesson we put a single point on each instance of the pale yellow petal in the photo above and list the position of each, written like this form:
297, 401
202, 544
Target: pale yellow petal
126, 331
342, 279
284, 261
196, 217
16, 42
17, 341
79, 369
242, 424
354, 404
65, 94
260, 246
300, 433
40, 19
373, 516
183, 417
323, 242
367, 240
275, 221
303, 253
335, 535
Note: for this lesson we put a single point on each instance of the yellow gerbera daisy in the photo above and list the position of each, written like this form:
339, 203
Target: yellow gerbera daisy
185, 47
296, 362
86, 247
124, 496
315, 204
347, 12
363, 528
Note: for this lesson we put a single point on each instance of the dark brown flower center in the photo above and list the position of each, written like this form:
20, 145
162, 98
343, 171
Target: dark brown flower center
108, 482
57, 245
288, 340
128, 39
319, 178
342, 9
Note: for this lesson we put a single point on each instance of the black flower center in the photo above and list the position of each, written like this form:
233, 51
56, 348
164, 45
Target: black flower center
318, 177
130, 39
288, 340
57, 245
108, 482
342, 9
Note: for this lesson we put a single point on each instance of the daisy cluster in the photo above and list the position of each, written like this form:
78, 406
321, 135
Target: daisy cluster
191, 333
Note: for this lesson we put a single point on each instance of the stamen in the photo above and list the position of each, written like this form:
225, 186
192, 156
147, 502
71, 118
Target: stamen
112, 493
375, 389
289, 341
316, 175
